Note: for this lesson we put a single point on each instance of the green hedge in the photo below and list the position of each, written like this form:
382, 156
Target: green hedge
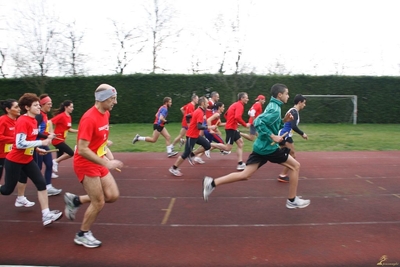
139, 95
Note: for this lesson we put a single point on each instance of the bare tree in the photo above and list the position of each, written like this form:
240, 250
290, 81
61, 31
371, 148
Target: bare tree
3, 60
130, 43
38, 39
278, 68
230, 38
160, 23
71, 60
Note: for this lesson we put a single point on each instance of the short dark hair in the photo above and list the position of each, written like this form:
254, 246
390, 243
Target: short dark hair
278, 88
213, 93
202, 100
4, 104
241, 95
166, 99
299, 98
26, 100
218, 105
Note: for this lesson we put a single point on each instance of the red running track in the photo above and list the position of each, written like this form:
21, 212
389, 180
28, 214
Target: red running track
162, 220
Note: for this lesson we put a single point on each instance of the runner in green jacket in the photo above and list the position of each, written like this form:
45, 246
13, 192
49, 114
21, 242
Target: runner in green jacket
266, 148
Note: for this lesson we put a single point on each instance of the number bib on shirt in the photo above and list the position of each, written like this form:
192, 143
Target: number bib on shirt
29, 151
7, 148
102, 149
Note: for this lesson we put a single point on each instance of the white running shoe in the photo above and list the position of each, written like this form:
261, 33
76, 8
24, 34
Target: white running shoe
207, 153
55, 166
52, 191
54, 175
241, 167
135, 139
223, 152
207, 187
298, 203
190, 160
87, 240
70, 208
199, 160
23, 203
172, 153
175, 172
52, 216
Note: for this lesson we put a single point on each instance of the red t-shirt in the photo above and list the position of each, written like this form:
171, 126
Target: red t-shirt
93, 127
28, 126
7, 135
233, 116
187, 109
198, 116
62, 123
257, 107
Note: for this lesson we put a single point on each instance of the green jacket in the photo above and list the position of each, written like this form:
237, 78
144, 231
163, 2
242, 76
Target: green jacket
267, 123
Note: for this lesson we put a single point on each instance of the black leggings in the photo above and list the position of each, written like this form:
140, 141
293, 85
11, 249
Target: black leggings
64, 148
15, 172
1, 166
190, 142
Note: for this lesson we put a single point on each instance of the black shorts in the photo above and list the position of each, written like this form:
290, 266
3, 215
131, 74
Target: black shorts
157, 127
279, 156
231, 136
286, 140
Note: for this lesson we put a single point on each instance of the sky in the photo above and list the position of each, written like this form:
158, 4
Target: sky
311, 37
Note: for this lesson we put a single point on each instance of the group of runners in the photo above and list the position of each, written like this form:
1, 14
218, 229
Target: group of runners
24, 138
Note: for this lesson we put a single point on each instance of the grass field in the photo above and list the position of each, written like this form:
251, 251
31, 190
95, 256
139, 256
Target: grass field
321, 137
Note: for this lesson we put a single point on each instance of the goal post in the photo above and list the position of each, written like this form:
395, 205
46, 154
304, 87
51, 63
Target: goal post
353, 99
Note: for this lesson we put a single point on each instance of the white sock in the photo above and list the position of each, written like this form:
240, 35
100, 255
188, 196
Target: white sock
169, 148
49, 186
20, 197
142, 138
45, 211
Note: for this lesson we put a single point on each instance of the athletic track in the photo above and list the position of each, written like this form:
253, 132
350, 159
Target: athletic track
162, 220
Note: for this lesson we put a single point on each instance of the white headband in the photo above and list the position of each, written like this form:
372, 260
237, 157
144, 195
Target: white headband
105, 94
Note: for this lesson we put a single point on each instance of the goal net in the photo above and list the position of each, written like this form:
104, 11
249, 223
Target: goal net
330, 109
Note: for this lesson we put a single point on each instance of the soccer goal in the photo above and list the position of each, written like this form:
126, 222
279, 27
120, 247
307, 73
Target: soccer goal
331, 108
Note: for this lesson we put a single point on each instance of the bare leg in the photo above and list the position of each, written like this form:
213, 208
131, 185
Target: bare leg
294, 167
154, 138
62, 157
21, 189
99, 191
182, 133
43, 199
237, 176
239, 150
285, 170
249, 137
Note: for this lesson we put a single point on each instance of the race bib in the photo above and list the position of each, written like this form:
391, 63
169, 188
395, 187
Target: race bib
101, 151
29, 151
7, 148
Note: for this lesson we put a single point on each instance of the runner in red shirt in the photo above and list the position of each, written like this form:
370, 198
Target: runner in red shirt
193, 137
61, 123
187, 111
214, 97
92, 162
20, 158
233, 118
255, 110
7, 136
